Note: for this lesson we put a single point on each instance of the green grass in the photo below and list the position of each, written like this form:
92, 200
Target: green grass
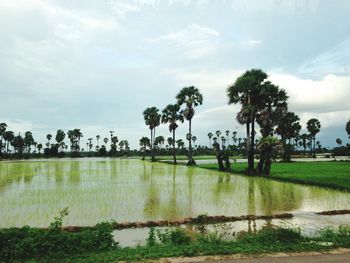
267, 240
328, 174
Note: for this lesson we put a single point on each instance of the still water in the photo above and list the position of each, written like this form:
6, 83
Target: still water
95, 190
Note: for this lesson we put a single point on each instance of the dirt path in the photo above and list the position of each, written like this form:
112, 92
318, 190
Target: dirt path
340, 255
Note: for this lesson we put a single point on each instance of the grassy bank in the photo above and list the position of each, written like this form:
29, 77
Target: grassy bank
36, 245
327, 174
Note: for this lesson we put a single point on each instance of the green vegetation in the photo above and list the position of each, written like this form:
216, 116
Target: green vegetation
97, 245
329, 174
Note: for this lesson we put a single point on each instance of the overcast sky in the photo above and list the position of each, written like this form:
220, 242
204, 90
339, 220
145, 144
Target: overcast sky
96, 65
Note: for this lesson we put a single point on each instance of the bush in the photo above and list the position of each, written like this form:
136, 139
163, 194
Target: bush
271, 235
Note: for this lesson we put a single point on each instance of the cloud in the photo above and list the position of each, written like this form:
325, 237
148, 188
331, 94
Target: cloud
333, 61
195, 41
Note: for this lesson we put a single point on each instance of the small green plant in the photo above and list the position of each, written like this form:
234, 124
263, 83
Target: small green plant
57, 223
152, 239
177, 236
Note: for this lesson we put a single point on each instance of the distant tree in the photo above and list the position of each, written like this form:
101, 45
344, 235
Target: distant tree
339, 142
171, 115
28, 141
180, 143
105, 140
347, 128
98, 140
288, 128
144, 143
3, 127
313, 126
39, 147
8, 137
227, 132
159, 141
18, 144
194, 139
234, 139
191, 98
210, 135
152, 120
48, 137
114, 141
60, 136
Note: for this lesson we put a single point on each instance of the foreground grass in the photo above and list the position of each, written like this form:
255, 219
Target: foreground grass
178, 242
329, 174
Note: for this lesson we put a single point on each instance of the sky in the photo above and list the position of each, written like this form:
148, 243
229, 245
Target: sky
96, 65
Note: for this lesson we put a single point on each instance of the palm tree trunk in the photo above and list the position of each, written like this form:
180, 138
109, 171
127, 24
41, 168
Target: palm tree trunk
248, 142
190, 157
251, 150
174, 150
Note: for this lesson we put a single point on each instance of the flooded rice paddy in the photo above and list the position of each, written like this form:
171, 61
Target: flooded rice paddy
95, 190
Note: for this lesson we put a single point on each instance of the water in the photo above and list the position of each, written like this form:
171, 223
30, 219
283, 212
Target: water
95, 190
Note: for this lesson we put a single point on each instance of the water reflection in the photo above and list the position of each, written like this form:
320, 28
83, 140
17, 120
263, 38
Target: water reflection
131, 190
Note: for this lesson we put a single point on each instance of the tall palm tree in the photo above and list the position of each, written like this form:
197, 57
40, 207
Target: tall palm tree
339, 142
152, 119
313, 126
39, 147
191, 98
144, 143
98, 144
247, 91
8, 137
347, 128
105, 140
171, 114
227, 132
48, 137
3, 127
210, 135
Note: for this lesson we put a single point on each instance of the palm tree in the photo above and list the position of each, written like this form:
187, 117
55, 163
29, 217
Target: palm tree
194, 139
105, 140
339, 142
227, 132
144, 143
97, 139
313, 126
191, 98
171, 114
3, 127
223, 142
180, 143
152, 119
48, 137
39, 147
60, 135
114, 141
288, 128
210, 135
347, 128
8, 137
159, 141
234, 139
247, 91
28, 140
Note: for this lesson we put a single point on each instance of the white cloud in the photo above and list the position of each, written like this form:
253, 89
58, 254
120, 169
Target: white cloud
195, 41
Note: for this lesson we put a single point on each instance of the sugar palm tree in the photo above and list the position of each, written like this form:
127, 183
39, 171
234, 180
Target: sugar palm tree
39, 147
313, 126
3, 127
247, 92
190, 97
98, 144
152, 119
171, 115
347, 128
210, 135
339, 142
8, 137
227, 132
144, 143
48, 137
105, 140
